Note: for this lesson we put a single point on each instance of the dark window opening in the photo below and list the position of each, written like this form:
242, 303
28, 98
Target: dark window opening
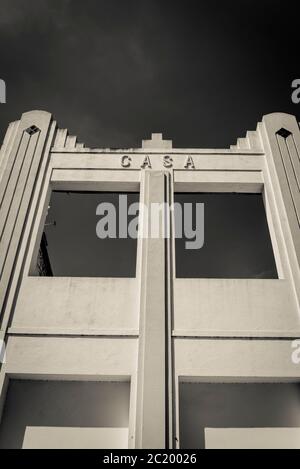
237, 241
62, 406
43, 262
70, 246
205, 405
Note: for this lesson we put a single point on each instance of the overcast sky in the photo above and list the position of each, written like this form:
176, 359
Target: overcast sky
201, 72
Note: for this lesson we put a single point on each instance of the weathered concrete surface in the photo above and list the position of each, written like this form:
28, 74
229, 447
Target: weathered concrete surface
100, 329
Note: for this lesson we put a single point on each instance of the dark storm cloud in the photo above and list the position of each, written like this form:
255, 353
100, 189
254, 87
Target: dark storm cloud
113, 71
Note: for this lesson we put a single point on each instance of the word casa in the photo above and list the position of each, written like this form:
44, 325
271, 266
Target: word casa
167, 162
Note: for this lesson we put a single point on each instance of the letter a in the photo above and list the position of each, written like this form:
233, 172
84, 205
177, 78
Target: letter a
189, 164
146, 163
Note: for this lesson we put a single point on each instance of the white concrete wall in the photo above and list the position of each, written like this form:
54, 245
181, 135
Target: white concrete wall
252, 438
234, 359
75, 438
234, 307
77, 305
72, 357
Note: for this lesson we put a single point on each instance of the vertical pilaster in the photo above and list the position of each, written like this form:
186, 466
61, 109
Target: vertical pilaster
151, 384
7, 144
23, 155
280, 136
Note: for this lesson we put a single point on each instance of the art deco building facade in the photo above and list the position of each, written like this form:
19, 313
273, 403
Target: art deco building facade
144, 344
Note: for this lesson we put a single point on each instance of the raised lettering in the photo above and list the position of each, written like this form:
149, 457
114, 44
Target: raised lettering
189, 164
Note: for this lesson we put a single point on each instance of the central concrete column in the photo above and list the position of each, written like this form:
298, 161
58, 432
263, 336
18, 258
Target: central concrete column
151, 378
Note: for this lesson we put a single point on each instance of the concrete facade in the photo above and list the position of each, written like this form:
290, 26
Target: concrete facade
153, 331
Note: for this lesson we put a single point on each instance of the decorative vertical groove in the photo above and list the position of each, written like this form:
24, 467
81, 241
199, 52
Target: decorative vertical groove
10, 167
169, 297
285, 147
7, 146
13, 181
16, 201
295, 157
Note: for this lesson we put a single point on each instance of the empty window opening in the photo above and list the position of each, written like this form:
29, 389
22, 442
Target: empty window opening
70, 246
237, 241
65, 414
205, 408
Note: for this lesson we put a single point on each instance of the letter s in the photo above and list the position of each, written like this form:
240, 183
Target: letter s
168, 161
296, 353
296, 93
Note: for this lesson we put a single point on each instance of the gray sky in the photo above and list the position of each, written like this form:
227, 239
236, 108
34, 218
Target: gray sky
112, 72
236, 239
202, 72
73, 246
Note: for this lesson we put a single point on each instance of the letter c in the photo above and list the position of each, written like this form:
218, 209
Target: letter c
126, 161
